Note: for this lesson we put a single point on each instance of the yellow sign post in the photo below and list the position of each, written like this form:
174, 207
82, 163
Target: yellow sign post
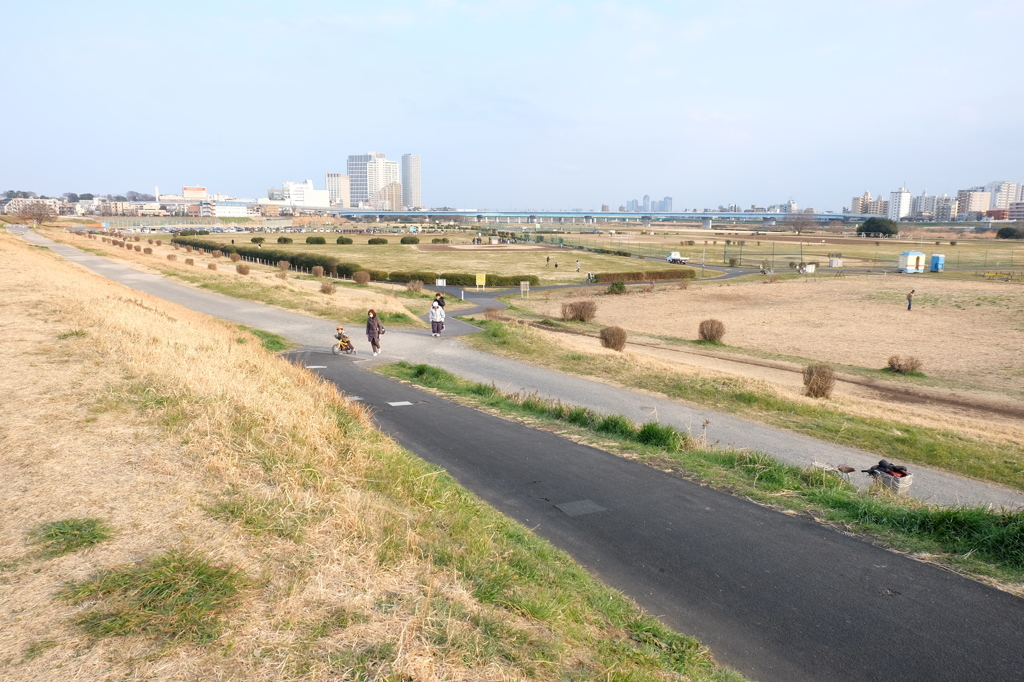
481, 280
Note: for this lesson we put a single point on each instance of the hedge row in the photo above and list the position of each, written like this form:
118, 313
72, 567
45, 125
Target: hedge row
681, 273
333, 265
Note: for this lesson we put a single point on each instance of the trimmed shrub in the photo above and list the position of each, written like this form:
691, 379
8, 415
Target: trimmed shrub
347, 269
711, 330
138, 239
583, 311
439, 240
235, 258
242, 269
284, 240
651, 276
171, 256
733, 262
401, 277
344, 240
509, 280
410, 240
377, 240
361, 277
952, 243
188, 249
151, 241
212, 266
258, 240
176, 247
284, 266
317, 271
148, 251
217, 253
315, 240
819, 380
138, 248
414, 285
614, 338
328, 288
616, 288
189, 261
904, 364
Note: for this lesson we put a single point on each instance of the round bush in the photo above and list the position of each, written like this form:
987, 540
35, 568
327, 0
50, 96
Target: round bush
328, 288
284, 265
819, 380
242, 269
189, 261
410, 240
257, 240
284, 240
361, 277
377, 240
147, 251
614, 338
315, 240
711, 330
217, 254
212, 266
616, 288
583, 311
317, 271
344, 240
171, 256
235, 258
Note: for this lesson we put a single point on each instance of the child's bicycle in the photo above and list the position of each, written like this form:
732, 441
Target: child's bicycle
344, 344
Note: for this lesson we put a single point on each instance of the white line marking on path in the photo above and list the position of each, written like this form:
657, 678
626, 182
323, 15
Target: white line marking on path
316, 366
355, 398
400, 403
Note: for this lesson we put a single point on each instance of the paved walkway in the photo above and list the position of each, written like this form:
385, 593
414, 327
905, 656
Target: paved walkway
418, 346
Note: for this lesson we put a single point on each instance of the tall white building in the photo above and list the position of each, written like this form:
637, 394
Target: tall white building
899, 204
1003, 193
411, 196
338, 189
923, 205
369, 174
303, 194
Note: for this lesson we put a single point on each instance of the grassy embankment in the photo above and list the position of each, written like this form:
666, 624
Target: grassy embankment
1000, 462
182, 504
978, 541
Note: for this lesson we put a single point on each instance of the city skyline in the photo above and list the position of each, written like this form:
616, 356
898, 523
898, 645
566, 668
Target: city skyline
754, 105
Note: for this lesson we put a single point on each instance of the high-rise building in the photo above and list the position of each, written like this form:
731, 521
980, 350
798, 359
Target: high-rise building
633, 205
666, 205
945, 208
972, 203
899, 204
411, 195
338, 189
923, 206
1003, 193
368, 174
647, 203
390, 197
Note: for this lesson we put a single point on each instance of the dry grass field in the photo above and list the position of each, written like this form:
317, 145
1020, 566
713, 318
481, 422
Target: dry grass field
259, 528
970, 332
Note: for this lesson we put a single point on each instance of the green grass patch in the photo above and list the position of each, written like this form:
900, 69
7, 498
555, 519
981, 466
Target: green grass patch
994, 539
997, 461
36, 649
58, 538
270, 341
73, 334
177, 596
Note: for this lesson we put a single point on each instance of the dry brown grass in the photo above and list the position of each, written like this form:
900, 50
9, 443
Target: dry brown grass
819, 380
414, 285
582, 311
328, 288
613, 337
88, 441
492, 313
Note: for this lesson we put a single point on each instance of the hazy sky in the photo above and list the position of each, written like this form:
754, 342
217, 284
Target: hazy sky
517, 104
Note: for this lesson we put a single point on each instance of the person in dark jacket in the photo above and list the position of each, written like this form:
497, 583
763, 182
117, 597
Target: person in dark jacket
374, 329
439, 299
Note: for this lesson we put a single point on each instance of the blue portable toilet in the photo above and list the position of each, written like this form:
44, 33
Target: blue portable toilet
911, 261
938, 262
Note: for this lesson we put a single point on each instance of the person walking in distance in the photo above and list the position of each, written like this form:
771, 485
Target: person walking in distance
439, 299
910, 300
577, 266
436, 319
374, 330
547, 262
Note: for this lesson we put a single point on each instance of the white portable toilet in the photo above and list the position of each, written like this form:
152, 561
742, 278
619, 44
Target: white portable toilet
911, 262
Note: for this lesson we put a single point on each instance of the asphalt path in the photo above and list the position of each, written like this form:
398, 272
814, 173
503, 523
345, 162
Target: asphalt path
776, 596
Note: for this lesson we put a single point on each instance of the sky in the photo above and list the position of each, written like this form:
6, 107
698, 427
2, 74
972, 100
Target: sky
515, 104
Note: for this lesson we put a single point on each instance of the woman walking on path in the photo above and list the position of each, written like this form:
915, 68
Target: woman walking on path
374, 329
436, 319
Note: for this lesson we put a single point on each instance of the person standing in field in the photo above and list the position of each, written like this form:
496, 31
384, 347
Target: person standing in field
577, 266
374, 330
910, 300
436, 319
547, 262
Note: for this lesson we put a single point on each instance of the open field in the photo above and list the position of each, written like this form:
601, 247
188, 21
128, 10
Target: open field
501, 259
968, 332
236, 518
348, 305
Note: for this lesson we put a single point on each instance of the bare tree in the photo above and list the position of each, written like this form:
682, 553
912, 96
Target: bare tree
38, 212
802, 222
